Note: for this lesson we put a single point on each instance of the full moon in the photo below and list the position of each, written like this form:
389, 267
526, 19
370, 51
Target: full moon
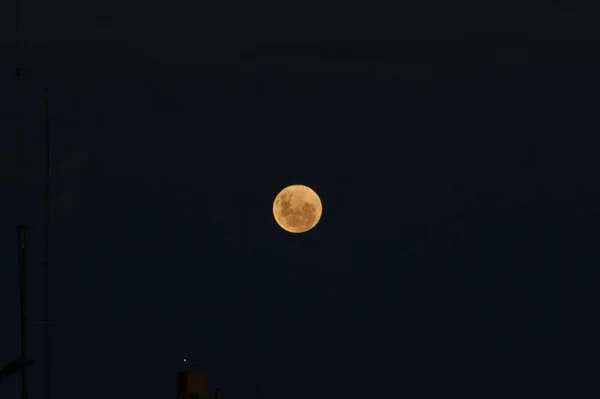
297, 209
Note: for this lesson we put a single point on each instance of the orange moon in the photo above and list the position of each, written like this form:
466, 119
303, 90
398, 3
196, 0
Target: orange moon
297, 209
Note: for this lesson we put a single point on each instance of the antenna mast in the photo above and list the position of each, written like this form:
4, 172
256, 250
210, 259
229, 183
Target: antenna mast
21, 237
46, 247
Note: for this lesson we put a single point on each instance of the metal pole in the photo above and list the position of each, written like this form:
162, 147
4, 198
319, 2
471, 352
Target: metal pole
21, 238
46, 249
22, 257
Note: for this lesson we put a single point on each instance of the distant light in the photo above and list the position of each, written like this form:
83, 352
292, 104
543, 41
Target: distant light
185, 360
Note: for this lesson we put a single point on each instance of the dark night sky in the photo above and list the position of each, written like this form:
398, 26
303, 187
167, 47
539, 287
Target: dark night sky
453, 146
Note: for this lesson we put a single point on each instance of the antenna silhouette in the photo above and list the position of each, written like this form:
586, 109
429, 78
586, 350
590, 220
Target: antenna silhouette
21, 228
46, 266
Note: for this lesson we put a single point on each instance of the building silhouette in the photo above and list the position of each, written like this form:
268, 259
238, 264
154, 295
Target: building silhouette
192, 385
